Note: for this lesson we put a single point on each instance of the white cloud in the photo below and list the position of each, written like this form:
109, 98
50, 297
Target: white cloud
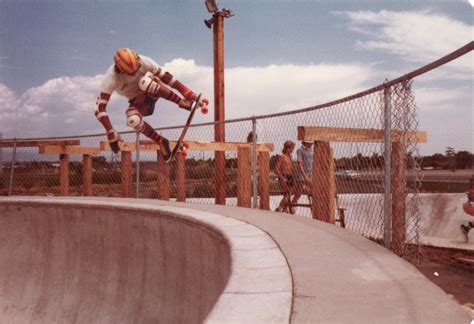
434, 98
419, 37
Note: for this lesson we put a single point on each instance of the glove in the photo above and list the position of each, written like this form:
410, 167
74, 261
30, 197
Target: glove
114, 140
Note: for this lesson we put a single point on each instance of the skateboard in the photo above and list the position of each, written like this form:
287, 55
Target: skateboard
182, 146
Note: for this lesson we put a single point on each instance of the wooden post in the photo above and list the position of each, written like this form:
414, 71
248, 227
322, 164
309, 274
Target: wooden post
399, 184
180, 178
64, 175
264, 179
127, 174
323, 189
163, 178
87, 174
219, 106
244, 175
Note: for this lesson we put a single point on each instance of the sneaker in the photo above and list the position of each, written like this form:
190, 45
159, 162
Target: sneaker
465, 232
165, 149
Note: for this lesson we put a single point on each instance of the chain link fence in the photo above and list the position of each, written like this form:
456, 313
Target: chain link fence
374, 154
358, 166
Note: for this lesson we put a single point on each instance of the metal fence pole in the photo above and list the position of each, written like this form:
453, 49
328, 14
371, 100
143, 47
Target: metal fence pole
254, 161
388, 166
12, 168
137, 164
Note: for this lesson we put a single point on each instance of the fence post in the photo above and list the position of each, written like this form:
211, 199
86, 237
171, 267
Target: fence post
87, 174
244, 185
323, 189
137, 165
64, 175
163, 178
127, 174
398, 183
254, 162
12, 168
387, 172
180, 178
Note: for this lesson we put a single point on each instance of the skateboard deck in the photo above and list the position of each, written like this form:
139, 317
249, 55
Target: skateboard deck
181, 146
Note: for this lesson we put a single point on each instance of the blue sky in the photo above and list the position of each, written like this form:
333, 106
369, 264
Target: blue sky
53, 54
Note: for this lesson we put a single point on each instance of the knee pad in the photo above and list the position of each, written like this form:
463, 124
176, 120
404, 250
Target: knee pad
135, 120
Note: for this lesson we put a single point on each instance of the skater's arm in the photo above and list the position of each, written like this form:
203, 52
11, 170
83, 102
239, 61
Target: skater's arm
103, 118
168, 79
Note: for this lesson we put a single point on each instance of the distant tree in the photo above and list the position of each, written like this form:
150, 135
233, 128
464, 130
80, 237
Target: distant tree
451, 155
464, 160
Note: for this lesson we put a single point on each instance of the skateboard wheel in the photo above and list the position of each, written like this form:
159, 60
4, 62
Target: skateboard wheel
204, 110
184, 153
185, 145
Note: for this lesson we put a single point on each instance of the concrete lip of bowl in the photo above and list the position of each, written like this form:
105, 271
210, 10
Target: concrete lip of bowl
244, 265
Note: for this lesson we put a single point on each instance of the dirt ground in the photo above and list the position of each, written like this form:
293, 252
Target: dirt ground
451, 272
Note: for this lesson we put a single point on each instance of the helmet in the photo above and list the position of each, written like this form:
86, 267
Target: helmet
127, 60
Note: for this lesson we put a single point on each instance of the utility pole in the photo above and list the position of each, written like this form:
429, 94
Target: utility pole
217, 23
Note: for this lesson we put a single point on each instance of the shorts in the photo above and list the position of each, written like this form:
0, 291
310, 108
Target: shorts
144, 104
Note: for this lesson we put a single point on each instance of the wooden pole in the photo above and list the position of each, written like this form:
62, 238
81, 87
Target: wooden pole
399, 184
163, 178
127, 174
323, 189
219, 105
64, 175
244, 174
180, 179
264, 179
87, 174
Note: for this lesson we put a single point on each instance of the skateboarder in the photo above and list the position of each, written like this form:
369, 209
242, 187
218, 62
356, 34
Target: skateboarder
143, 82
304, 170
284, 171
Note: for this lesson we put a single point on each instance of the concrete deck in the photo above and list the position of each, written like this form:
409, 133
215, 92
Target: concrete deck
124, 260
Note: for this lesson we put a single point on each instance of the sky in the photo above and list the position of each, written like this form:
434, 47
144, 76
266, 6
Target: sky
280, 55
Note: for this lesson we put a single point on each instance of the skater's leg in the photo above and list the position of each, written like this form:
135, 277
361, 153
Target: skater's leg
135, 120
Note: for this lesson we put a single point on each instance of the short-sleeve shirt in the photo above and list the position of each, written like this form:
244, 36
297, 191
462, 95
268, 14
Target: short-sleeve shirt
305, 156
124, 84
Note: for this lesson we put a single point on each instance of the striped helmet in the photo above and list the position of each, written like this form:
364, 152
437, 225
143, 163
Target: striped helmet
127, 60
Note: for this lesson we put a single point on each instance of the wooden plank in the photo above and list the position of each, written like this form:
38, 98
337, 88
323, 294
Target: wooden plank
87, 174
244, 176
64, 175
193, 146
264, 179
21, 143
71, 150
127, 174
334, 134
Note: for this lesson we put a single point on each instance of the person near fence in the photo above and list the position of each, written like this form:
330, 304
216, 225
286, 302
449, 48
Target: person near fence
304, 170
143, 82
284, 171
